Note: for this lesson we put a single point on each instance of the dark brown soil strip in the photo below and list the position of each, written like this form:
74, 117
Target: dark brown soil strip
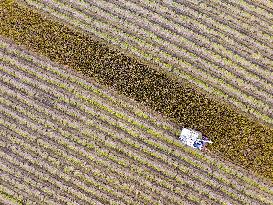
236, 137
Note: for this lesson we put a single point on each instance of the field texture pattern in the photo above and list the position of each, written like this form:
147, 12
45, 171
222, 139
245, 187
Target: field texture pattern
66, 140
224, 47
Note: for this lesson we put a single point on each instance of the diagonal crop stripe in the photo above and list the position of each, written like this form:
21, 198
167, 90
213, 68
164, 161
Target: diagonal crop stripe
163, 93
142, 28
65, 139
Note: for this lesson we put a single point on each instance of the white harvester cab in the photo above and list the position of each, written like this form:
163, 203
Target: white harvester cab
193, 138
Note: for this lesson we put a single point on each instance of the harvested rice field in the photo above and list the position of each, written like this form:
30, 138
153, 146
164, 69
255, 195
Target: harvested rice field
66, 140
94, 94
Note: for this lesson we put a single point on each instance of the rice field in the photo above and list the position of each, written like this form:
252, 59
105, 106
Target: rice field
198, 42
68, 140
237, 138
93, 96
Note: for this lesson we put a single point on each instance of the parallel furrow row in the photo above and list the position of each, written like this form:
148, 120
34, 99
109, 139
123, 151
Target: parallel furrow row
76, 126
146, 162
202, 35
37, 168
217, 13
12, 194
116, 18
254, 9
239, 30
71, 147
220, 40
99, 160
68, 123
229, 89
48, 156
261, 27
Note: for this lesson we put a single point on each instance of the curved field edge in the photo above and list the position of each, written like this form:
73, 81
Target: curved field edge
183, 104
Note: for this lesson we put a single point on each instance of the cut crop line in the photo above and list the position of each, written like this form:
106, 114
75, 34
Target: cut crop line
254, 10
204, 32
74, 150
232, 91
72, 160
32, 184
31, 147
90, 87
218, 26
220, 42
9, 195
224, 23
42, 166
225, 13
26, 192
176, 24
243, 17
86, 178
65, 178
212, 72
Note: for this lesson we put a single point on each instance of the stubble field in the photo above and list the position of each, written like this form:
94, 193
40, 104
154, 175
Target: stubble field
95, 93
66, 140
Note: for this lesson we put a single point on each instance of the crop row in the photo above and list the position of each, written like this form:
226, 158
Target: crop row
31, 190
208, 37
98, 160
67, 123
208, 77
53, 75
115, 16
212, 31
178, 50
254, 8
225, 26
198, 32
52, 159
57, 152
39, 172
223, 12
8, 195
29, 102
229, 171
72, 171
261, 27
